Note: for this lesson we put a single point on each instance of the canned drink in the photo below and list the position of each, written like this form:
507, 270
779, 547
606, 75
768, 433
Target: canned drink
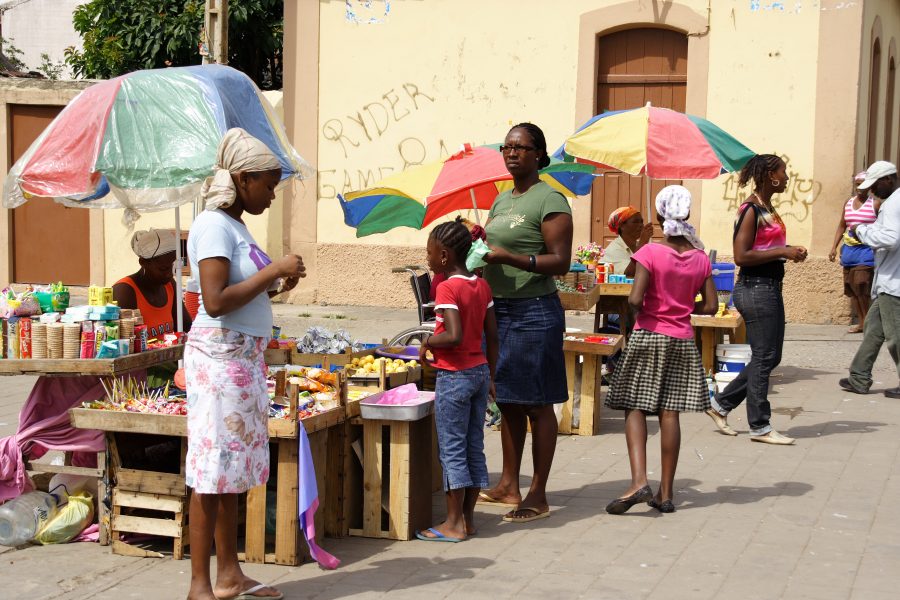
25, 338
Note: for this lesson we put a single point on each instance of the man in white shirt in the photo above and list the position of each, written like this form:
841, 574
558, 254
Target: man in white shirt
883, 236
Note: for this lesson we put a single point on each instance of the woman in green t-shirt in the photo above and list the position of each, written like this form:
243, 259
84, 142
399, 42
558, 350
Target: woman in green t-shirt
529, 231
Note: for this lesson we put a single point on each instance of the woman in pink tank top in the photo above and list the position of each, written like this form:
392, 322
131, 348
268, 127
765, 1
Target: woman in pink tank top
857, 259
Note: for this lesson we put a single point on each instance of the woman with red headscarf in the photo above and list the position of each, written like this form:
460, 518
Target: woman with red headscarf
628, 224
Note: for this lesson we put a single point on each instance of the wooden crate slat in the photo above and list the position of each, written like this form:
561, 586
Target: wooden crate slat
287, 530
149, 501
255, 542
150, 482
163, 527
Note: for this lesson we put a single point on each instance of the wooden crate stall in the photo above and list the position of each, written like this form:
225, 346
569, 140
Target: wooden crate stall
583, 372
388, 490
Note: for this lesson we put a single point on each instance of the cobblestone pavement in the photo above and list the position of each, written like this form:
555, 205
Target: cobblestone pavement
816, 520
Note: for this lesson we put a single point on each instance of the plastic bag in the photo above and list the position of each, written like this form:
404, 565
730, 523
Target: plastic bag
70, 521
18, 305
404, 395
475, 258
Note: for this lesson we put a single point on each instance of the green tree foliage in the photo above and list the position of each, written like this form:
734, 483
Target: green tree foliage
120, 36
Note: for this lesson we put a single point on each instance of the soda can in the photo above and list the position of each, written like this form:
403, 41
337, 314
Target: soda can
140, 338
25, 338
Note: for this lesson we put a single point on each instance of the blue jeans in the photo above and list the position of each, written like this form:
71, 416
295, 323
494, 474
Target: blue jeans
460, 402
761, 305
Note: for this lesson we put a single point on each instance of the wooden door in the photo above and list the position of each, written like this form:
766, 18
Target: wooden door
635, 66
50, 242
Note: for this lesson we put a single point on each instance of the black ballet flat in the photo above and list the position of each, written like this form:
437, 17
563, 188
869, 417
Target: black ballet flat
621, 505
663, 507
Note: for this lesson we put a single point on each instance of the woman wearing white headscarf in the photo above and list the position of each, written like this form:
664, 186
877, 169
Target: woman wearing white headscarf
228, 442
660, 372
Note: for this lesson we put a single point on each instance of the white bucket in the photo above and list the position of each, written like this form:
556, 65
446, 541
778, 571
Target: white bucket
732, 358
723, 379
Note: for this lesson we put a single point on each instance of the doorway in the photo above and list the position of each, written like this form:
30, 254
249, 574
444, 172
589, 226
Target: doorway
49, 241
635, 66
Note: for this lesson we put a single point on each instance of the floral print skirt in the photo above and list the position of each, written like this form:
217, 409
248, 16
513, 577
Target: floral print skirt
228, 409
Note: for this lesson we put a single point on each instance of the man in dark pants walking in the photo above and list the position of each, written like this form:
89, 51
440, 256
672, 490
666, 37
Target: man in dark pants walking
883, 318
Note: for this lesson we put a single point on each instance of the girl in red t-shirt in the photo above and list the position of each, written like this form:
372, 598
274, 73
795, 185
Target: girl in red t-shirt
464, 379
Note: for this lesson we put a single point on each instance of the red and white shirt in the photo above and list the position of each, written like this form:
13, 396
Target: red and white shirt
859, 216
471, 296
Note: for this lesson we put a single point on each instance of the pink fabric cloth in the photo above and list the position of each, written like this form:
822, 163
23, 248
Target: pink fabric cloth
675, 280
44, 425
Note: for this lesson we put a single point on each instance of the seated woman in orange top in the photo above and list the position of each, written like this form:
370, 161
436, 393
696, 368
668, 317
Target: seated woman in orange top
152, 288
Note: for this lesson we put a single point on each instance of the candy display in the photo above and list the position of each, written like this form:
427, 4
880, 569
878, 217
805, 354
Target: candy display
129, 395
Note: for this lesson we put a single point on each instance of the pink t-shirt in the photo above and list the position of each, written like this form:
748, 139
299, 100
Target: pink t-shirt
675, 280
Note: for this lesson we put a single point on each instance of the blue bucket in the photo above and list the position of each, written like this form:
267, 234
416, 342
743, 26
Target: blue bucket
723, 276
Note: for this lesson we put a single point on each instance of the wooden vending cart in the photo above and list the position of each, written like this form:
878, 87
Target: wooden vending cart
167, 495
583, 372
104, 368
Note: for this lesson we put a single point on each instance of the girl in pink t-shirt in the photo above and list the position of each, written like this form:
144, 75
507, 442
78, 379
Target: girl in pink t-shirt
660, 371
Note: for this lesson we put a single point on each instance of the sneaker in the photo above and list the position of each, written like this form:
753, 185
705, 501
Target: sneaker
847, 386
893, 393
721, 422
773, 437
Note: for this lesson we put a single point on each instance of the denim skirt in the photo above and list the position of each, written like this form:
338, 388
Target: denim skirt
531, 368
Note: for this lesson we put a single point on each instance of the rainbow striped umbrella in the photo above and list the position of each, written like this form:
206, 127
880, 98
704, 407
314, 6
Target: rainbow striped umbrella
145, 141
657, 142
471, 178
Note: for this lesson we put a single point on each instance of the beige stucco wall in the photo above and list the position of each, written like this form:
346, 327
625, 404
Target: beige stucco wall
881, 18
432, 77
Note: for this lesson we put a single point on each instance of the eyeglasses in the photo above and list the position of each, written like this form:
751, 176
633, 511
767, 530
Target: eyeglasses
516, 149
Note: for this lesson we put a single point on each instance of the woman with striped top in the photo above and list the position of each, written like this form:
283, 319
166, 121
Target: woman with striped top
857, 259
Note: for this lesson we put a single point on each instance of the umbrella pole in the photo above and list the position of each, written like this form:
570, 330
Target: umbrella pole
475, 206
179, 296
650, 215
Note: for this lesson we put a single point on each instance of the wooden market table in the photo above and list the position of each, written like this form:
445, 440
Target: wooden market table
583, 368
167, 492
98, 367
613, 300
710, 331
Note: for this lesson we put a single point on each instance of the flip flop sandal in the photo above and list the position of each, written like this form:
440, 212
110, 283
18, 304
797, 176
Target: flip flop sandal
534, 516
485, 498
250, 595
436, 536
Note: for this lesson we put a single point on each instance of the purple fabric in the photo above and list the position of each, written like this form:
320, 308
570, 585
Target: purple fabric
308, 500
44, 425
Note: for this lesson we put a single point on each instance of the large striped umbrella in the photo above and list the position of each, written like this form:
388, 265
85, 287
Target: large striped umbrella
658, 142
471, 178
145, 141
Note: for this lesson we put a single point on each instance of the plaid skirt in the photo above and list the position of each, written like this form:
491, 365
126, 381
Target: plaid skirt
658, 372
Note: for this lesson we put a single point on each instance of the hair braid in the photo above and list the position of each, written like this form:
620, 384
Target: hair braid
540, 142
454, 236
757, 168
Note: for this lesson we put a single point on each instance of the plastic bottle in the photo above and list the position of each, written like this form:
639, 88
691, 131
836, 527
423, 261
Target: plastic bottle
22, 518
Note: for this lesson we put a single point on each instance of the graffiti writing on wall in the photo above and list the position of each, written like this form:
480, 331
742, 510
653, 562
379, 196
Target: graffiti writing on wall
372, 123
795, 201
797, 6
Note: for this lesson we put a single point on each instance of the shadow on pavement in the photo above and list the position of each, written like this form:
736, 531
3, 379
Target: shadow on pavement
833, 427
735, 494
785, 374
410, 572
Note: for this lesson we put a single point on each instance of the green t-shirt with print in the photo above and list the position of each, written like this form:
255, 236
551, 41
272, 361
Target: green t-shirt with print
515, 225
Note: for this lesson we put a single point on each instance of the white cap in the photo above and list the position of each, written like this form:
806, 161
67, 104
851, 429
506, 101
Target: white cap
877, 170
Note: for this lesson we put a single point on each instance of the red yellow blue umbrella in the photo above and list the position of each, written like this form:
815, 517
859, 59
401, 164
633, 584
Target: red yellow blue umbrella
471, 178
